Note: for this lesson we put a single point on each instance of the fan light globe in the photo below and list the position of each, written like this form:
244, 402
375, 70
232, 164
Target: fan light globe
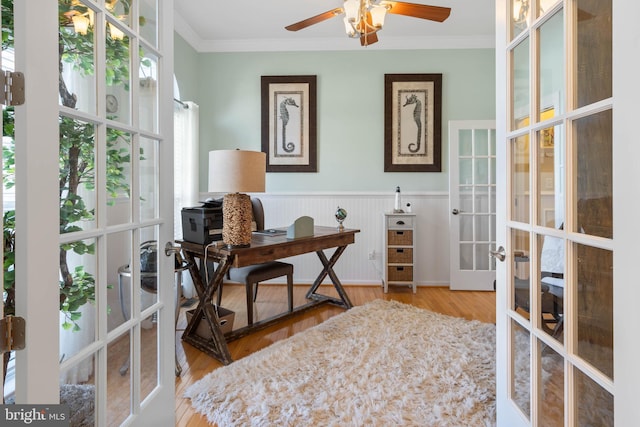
352, 10
378, 12
348, 27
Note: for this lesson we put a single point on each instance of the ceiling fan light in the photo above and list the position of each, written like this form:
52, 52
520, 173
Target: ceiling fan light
516, 10
80, 24
520, 10
352, 10
348, 27
116, 33
378, 12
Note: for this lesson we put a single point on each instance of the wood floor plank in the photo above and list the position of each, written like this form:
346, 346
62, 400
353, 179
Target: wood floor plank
271, 300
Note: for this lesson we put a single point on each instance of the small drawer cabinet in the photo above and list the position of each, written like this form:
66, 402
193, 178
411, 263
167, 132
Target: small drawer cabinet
399, 250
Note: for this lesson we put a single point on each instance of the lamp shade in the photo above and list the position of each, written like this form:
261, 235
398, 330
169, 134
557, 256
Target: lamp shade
237, 171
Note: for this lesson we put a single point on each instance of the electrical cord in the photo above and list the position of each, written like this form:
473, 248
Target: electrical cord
378, 271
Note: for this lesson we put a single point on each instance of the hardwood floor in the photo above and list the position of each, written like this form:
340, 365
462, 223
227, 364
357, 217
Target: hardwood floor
272, 300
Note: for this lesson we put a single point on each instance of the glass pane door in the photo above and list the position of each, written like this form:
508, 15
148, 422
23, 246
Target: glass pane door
112, 231
559, 316
472, 183
95, 216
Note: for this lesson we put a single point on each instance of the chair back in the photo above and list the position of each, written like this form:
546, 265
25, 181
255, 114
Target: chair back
258, 213
552, 256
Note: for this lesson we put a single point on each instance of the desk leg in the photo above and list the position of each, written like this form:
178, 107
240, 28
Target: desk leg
216, 346
328, 270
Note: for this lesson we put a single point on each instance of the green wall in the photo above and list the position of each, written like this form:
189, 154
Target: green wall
185, 68
350, 109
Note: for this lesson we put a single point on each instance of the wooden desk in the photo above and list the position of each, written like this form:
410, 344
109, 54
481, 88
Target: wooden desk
263, 248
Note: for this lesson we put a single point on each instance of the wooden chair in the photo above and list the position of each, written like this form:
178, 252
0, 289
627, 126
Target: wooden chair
252, 275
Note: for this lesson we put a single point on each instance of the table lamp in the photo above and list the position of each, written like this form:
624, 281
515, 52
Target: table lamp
235, 172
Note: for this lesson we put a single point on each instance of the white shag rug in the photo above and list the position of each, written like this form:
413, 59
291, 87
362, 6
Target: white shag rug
81, 401
384, 363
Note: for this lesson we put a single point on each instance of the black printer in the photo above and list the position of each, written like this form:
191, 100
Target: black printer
202, 224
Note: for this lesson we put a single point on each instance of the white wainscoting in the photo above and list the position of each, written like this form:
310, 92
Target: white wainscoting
365, 212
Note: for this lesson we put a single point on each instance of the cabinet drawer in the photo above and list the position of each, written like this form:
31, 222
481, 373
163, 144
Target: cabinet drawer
400, 274
400, 256
396, 222
400, 237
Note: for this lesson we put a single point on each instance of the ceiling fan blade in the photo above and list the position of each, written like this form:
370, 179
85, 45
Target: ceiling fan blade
432, 13
315, 19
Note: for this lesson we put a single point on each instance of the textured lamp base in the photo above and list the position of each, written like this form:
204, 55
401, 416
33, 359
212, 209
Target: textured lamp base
236, 220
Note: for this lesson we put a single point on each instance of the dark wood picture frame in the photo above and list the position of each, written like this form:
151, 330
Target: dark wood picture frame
413, 122
288, 115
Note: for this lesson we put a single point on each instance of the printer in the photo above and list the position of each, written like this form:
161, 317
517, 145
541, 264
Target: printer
202, 224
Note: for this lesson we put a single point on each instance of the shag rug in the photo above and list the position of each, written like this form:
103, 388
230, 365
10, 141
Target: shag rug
381, 364
81, 401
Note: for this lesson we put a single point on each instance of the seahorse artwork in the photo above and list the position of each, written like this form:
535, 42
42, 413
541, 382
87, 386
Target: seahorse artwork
417, 117
284, 116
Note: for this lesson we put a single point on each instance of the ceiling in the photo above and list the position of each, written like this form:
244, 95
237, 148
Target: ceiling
258, 25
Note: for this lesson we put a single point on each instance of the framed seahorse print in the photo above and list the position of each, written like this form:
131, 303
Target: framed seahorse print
412, 122
289, 123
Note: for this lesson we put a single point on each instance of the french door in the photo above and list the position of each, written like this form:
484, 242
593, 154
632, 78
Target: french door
472, 204
93, 187
563, 167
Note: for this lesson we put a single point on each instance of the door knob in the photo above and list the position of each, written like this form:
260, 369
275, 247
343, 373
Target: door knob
170, 248
455, 211
500, 255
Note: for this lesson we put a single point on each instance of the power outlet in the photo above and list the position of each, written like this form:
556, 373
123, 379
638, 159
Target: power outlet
372, 254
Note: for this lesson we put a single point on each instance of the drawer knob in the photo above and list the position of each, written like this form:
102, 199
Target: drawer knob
400, 222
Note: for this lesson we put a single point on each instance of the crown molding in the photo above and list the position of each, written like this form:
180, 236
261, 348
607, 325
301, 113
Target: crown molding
344, 43
181, 27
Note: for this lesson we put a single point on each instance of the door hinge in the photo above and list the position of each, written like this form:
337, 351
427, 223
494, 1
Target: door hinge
12, 88
11, 333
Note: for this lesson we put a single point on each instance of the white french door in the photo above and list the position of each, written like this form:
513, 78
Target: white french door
36, 130
472, 204
565, 142
93, 184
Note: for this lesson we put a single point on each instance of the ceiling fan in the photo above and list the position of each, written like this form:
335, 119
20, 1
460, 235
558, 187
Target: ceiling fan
364, 18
